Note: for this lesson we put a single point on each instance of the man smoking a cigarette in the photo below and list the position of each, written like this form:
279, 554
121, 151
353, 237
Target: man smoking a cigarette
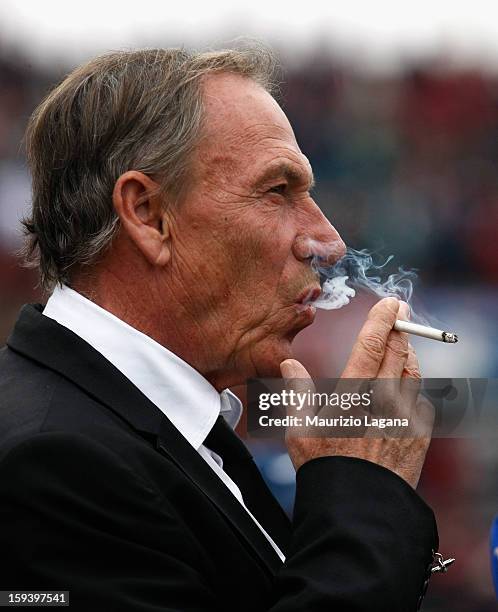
171, 223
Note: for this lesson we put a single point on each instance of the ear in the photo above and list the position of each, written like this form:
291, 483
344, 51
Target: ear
137, 201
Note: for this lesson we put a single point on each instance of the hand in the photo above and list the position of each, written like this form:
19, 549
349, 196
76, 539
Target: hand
379, 352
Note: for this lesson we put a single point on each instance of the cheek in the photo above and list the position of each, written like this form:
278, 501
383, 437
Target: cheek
264, 252
243, 250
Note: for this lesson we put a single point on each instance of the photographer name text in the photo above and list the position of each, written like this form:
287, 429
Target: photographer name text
340, 421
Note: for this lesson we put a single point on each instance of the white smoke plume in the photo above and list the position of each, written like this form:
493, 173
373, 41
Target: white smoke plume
358, 271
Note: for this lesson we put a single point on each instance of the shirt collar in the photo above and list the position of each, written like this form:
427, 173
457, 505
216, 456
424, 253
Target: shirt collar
189, 401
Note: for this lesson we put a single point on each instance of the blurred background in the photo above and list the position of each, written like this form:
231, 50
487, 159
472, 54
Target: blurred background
397, 109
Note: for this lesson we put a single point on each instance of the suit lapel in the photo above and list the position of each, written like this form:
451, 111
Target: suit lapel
198, 471
43, 340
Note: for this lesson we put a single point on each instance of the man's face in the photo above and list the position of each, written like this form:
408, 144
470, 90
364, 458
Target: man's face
243, 236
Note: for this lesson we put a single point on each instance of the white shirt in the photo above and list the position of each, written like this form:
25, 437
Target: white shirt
189, 401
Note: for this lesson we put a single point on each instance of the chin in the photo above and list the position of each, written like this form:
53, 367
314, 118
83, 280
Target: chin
269, 355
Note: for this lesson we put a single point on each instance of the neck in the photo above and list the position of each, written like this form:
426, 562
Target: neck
161, 316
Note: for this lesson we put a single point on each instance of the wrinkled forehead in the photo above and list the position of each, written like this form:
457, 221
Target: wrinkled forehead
244, 127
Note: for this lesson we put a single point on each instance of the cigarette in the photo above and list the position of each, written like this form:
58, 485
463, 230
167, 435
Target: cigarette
425, 332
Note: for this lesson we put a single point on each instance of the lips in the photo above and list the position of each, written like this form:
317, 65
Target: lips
309, 295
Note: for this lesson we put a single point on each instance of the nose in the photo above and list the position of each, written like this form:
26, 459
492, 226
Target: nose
319, 239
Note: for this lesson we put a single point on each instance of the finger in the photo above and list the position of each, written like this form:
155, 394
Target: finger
292, 369
298, 381
368, 350
396, 352
411, 377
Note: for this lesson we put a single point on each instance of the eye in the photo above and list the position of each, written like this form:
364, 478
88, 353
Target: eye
280, 189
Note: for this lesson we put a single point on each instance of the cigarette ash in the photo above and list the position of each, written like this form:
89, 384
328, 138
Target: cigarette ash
357, 270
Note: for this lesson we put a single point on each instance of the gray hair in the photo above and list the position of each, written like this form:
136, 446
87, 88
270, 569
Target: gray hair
126, 110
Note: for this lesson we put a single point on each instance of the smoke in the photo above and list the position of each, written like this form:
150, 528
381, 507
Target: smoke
357, 270
335, 293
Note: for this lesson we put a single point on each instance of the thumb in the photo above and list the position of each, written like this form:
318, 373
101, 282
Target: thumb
291, 368
298, 379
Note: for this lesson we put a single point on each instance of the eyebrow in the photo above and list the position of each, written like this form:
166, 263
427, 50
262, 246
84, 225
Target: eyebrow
287, 171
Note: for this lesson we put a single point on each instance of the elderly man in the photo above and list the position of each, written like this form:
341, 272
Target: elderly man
172, 221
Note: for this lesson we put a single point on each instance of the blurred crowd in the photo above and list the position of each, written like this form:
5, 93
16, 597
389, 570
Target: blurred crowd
405, 165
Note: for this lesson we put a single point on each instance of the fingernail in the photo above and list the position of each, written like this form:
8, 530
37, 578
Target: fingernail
288, 369
404, 310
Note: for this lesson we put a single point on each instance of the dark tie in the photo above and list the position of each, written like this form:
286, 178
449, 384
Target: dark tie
239, 465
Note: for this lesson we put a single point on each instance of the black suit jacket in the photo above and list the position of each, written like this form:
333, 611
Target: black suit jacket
100, 495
